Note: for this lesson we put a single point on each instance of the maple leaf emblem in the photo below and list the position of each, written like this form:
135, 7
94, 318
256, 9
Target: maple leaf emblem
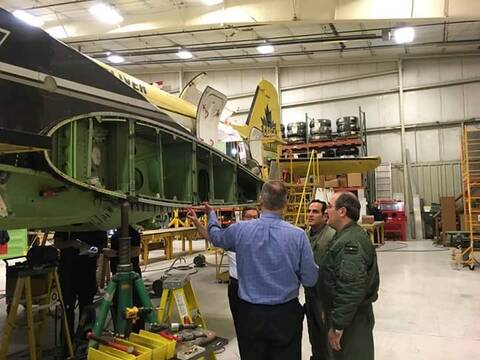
268, 126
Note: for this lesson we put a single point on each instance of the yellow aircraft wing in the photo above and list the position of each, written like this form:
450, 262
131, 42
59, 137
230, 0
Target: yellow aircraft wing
154, 95
332, 166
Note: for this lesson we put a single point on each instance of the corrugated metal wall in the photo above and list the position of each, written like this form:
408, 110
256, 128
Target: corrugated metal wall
433, 180
429, 98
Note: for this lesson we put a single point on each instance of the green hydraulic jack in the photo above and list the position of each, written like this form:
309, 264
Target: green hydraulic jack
124, 282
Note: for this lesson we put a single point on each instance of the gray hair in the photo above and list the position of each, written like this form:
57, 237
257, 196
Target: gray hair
274, 195
350, 202
250, 208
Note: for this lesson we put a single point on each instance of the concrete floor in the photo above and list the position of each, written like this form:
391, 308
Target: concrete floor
427, 308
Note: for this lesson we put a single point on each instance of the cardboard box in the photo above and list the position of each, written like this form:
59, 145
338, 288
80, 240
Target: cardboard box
368, 219
330, 177
342, 180
331, 183
448, 215
463, 222
354, 179
321, 181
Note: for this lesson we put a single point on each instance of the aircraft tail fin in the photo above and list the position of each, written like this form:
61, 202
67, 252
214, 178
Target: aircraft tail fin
262, 128
264, 113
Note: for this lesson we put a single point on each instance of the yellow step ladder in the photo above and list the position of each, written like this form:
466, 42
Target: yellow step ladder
178, 291
23, 294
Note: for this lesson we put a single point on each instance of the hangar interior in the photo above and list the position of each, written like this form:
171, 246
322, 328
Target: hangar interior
415, 101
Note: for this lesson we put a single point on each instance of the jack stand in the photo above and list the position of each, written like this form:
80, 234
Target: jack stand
176, 221
122, 284
178, 290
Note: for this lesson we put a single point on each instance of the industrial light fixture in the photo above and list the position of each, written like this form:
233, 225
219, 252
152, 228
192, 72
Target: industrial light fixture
212, 2
106, 13
404, 35
115, 59
265, 49
28, 18
184, 54
58, 32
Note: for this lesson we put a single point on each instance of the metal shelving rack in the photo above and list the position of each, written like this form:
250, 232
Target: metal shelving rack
383, 181
471, 191
308, 147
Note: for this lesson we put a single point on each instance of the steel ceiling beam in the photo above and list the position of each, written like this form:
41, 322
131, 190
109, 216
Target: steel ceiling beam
298, 53
180, 32
228, 46
166, 33
46, 6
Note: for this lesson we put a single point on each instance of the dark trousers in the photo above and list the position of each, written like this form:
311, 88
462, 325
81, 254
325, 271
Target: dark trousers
317, 329
234, 301
357, 339
270, 331
80, 286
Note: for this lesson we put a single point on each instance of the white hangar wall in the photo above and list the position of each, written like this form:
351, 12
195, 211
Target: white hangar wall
438, 95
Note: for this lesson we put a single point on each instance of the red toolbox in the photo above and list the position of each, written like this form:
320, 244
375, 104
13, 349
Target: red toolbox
395, 218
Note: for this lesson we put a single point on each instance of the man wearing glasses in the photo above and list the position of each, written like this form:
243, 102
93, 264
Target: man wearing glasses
320, 235
350, 282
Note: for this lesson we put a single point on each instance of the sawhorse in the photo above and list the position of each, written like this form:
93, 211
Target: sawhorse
24, 286
177, 290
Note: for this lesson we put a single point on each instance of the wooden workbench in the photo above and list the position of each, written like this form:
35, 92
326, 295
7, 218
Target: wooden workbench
167, 236
376, 232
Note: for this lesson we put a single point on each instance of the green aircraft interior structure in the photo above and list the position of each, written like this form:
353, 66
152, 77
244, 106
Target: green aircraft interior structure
99, 140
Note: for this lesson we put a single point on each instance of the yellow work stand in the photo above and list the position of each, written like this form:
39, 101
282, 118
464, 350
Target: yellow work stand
177, 290
23, 294
222, 276
176, 221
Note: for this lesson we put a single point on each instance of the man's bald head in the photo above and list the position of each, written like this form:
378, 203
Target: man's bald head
274, 195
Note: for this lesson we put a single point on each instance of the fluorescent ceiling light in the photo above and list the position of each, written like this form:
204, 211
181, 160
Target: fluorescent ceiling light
212, 2
58, 32
265, 49
106, 13
404, 35
116, 59
28, 18
184, 54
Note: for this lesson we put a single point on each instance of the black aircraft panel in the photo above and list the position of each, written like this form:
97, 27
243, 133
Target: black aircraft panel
32, 48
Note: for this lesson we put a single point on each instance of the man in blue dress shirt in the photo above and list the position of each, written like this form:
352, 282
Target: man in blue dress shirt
273, 259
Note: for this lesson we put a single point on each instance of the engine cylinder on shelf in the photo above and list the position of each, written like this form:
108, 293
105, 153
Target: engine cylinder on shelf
348, 151
320, 129
296, 132
348, 126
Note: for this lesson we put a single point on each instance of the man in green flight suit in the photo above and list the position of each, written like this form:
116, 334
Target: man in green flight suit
350, 282
319, 235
